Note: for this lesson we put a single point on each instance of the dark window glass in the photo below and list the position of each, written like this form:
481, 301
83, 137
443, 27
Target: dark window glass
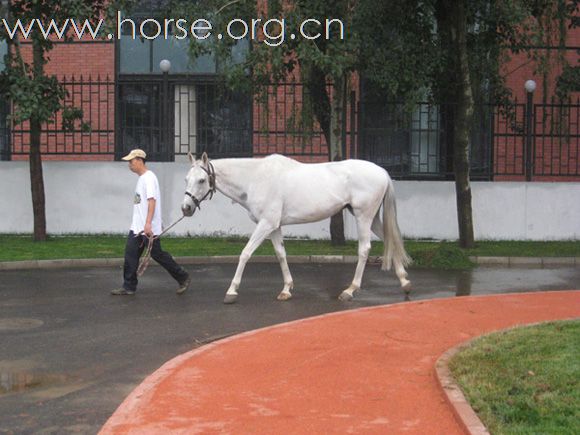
3, 51
135, 56
140, 119
142, 56
224, 122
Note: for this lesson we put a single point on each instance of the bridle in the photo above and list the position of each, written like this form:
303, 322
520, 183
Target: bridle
210, 171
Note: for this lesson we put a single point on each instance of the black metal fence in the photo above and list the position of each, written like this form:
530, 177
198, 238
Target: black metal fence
417, 143
4, 128
172, 115
284, 123
89, 137
537, 141
556, 140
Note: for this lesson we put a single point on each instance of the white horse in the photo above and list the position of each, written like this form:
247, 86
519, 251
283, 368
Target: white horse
277, 190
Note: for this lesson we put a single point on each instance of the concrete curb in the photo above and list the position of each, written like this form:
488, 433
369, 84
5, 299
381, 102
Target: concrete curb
527, 261
221, 259
541, 262
462, 410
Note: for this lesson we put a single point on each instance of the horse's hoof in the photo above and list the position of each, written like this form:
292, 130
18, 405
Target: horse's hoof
407, 287
284, 296
230, 299
345, 297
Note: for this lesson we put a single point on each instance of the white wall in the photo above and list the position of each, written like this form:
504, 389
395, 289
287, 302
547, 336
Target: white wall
96, 197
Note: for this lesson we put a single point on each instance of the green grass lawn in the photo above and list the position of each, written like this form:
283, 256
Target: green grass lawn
525, 380
424, 253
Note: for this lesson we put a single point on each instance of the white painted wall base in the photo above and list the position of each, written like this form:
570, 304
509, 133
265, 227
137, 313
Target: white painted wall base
96, 198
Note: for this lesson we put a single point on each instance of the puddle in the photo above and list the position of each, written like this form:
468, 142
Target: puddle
463, 283
19, 324
19, 382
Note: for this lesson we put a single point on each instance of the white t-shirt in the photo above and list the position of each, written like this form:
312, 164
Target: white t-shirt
147, 187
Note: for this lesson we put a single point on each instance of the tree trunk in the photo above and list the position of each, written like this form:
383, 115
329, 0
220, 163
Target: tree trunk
463, 124
452, 26
37, 182
335, 151
35, 158
336, 117
326, 116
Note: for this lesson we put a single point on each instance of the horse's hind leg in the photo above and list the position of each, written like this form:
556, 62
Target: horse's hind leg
402, 275
377, 228
263, 230
364, 247
278, 244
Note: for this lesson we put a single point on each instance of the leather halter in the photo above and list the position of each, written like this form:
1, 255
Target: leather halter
210, 171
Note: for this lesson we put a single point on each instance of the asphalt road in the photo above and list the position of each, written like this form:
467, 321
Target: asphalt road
70, 352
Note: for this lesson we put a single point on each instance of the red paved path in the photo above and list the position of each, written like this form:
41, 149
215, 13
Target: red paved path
364, 371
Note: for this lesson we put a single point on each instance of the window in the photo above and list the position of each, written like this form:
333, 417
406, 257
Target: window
142, 56
186, 116
418, 143
407, 143
3, 52
184, 111
139, 111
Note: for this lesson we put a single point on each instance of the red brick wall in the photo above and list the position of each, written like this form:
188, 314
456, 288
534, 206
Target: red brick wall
557, 146
278, 127
520, 69
80, 58
68, 61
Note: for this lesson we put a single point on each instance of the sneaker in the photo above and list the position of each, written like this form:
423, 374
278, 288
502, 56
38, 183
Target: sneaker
184, 285
122, 291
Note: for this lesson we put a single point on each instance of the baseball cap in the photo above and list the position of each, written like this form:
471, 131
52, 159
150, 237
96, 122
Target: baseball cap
135, 153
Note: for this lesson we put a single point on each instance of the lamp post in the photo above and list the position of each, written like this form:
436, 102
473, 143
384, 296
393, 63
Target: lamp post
165, 66
530, 87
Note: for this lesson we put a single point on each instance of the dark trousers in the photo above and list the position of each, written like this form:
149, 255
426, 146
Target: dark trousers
133, 250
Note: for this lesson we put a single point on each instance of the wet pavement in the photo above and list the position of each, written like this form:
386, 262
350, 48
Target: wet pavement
71, 352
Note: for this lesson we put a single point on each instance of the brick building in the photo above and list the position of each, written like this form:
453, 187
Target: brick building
128, 102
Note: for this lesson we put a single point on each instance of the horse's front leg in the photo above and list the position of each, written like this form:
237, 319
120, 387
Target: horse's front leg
263, 230
278, 243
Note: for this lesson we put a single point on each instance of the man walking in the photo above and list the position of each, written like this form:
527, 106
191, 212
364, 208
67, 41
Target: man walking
146, 223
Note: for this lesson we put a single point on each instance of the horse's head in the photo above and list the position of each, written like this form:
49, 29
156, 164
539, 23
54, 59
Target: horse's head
199, 184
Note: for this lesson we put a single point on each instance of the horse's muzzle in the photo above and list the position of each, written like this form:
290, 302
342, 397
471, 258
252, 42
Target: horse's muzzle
187, 210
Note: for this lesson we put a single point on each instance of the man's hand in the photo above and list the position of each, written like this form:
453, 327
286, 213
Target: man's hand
147, 230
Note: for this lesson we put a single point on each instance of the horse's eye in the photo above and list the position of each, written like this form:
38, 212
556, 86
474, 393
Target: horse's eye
202, 181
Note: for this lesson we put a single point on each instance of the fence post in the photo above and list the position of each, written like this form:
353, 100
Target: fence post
165, 66
530, 87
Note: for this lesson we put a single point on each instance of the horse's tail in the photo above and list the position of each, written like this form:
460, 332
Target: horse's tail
394, 250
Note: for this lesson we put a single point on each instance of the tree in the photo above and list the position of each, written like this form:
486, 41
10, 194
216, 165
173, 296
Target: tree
35, 96
448, 51
453, 52
324, 66
475, 39
453, 29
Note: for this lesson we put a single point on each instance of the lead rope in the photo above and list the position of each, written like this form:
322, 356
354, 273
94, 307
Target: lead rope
144, 262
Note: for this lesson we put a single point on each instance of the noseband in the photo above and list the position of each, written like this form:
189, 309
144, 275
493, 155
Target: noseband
211, 174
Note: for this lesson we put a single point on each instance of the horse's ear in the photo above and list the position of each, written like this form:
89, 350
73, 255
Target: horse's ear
204, 158
191, 157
